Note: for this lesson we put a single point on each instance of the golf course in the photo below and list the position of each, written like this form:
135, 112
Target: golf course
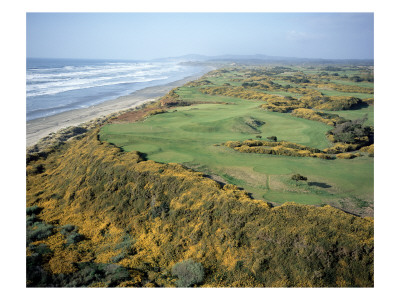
193, 135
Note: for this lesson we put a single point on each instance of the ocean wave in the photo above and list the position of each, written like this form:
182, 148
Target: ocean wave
31, 78
87, 71
44, 83
60, 88
54, 86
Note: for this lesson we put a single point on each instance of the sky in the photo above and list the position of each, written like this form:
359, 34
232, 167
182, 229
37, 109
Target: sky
158, 35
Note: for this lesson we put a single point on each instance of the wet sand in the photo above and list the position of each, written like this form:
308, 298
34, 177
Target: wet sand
41, 127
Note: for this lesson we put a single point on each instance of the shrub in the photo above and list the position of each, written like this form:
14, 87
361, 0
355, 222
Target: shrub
275, 148
298, 177
323, 156
353, 132
369, 101
272, 138
39, 232
35, 169
188, 273
341, 147
74, 237
309, 114
346, 155
31, 219
200, 82
369, 149
33, 210
155, 112
71, 234
118, 258
115, 274
67, 229
233, 144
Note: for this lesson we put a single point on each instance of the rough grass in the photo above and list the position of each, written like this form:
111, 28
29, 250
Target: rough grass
358, 114
349, 82
338, 93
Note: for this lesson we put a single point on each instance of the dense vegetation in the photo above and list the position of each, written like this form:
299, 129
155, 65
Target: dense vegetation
97, 216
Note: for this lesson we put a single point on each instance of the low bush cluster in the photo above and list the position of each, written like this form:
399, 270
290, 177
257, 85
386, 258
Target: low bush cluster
276, 148
369, 101
199, 82
352, 89
252, 94
331, 102
298, 177
369, 149
281, 104
188, 272
353, 132
71, 234
86, 275
36, 229
293, 149
33, 210
309, 114
155, 112
347, 155
341, 148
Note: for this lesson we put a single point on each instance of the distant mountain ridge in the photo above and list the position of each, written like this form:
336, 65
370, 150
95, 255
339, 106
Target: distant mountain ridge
262, 58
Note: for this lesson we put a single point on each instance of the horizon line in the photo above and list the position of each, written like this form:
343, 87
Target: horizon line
206, 56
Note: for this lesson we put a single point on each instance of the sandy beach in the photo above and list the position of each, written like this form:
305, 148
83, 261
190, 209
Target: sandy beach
41, 127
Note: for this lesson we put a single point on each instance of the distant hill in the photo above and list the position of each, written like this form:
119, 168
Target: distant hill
262, 59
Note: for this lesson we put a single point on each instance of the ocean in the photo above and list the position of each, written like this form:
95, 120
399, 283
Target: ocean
54, 86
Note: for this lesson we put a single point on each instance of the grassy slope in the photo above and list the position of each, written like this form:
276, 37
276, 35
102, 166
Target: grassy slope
138, 219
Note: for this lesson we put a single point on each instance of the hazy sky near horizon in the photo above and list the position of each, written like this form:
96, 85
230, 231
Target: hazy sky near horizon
157, 35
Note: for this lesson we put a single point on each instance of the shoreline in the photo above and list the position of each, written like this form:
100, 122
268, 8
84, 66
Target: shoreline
39, 128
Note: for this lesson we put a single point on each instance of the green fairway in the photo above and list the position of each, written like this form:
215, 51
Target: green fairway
192, 135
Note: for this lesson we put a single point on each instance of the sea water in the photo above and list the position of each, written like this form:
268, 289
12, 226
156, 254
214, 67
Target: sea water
58, 85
